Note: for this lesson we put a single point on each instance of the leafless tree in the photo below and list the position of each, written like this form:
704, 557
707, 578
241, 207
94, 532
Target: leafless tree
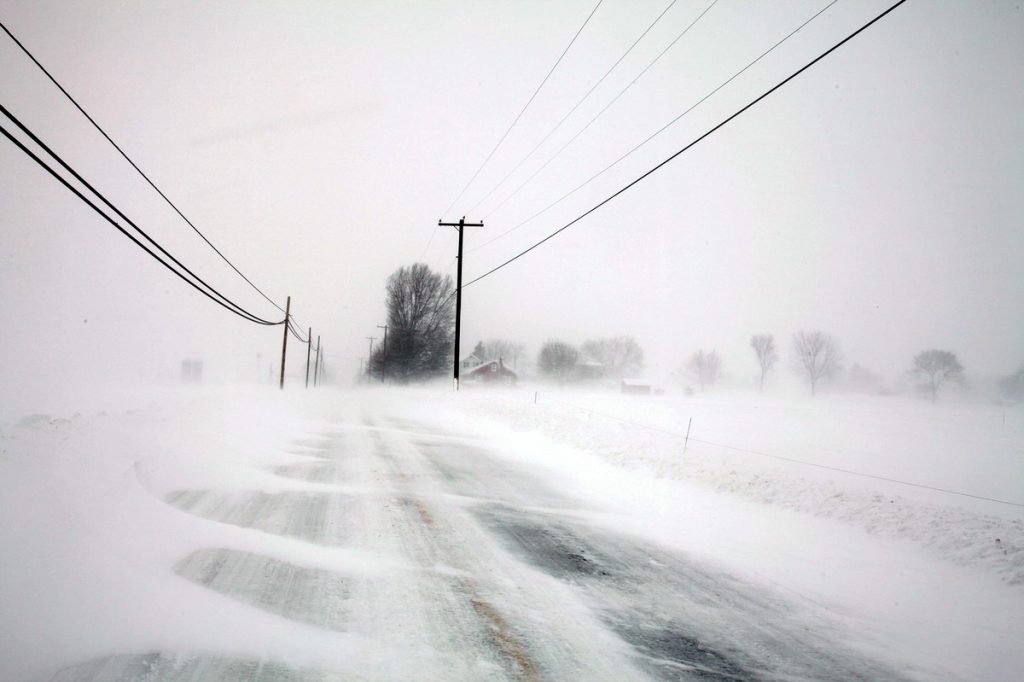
705, 368
621, 356
934, 368
500, 349
818, 356
557, 360
421, 320
767, 355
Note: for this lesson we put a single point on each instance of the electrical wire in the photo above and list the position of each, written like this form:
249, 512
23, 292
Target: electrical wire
525, 107
688, 146
124, 217
579, 102
296, 333
246, 316
601, 112
128, 220
647, 139
644, 141
133, 164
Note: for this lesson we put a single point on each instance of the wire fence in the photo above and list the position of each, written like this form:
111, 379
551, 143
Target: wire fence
792, 460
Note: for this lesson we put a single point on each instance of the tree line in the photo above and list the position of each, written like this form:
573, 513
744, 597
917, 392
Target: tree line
817, 357
421, 316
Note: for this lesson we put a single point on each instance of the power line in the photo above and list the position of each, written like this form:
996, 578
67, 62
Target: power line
643, 142
575, 106
128, 220
133, 164
605, 108
525, 106
240, 312
295, 332
691, 144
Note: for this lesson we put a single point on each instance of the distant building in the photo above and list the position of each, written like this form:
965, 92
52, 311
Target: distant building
636, 387
490, 372
470, 362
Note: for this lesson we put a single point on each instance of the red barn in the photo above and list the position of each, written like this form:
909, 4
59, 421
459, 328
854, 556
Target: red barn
490, 372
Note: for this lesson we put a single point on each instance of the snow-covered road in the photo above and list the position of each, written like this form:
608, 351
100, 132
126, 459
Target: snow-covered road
480, 570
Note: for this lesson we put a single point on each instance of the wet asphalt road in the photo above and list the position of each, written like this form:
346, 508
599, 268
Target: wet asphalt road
502, 578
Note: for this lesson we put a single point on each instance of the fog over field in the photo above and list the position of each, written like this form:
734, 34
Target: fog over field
785, 366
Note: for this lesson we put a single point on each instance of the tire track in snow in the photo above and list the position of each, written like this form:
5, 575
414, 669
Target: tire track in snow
683, 620
307, 595
488, 607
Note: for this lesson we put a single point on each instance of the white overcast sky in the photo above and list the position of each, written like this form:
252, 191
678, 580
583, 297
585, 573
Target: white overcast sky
876, 197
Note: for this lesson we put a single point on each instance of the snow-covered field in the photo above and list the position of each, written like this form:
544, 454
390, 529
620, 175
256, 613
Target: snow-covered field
937, 576
928, 582
898, 467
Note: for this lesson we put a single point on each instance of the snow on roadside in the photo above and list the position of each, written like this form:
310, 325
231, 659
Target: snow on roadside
874, 589
88, 546
916, 442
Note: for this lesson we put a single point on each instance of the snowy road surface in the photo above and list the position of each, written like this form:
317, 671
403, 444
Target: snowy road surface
487, 572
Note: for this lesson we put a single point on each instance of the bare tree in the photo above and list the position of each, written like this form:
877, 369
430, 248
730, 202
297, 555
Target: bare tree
767, 355
500, 349
934, 368
421, 320
705, 368
818, 356
621, 356
557, 360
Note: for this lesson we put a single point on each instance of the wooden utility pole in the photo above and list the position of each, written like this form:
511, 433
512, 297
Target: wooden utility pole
384, 355
316, 371
458, 288
309, 346
284, 344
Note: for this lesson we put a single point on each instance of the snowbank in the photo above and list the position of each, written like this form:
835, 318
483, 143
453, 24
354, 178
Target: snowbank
785, 453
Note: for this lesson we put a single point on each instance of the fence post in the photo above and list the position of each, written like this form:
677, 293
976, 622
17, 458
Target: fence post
687, 440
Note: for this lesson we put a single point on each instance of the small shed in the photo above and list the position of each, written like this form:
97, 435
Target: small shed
491, 372
636, 387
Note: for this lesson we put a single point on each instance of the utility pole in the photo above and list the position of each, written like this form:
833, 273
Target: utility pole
458, 288
316, 371
309, 346
284, 344
384, 355
369, 358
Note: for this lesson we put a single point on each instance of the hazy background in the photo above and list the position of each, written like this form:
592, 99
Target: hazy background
877, 197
